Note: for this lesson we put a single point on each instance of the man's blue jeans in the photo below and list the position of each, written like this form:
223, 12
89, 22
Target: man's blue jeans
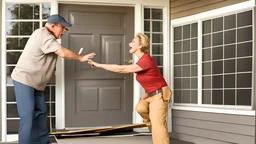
32, 110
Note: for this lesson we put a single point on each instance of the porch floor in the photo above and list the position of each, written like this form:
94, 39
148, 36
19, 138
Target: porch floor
112, 140
137, 136
117, 140
146, 139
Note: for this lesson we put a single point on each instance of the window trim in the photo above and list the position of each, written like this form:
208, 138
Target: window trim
12, 137
215, 110
150, 32
198, 18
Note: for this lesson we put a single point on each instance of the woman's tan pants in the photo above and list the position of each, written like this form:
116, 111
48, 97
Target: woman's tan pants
153, 110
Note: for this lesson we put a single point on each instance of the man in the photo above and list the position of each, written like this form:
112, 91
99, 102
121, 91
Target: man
33, 71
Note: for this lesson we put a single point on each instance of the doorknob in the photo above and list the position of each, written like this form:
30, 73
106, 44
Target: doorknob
129, 61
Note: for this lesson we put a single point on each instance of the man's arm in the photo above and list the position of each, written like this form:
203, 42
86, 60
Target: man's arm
68, 54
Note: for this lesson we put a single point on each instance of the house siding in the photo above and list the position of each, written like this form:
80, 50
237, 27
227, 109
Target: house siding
0, 70
182, 8
212, 128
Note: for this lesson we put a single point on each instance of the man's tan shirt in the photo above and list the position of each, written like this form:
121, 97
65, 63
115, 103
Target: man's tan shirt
37, 62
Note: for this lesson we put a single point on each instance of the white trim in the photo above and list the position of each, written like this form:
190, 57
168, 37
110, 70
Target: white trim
25, 20
12, 138
213, 13
27, 1
137, 90
118, 2
3, 76
216, 110
253, 58
172, 59
60, 82
214, 106
199, 62
40, 15
18, 36
166, 59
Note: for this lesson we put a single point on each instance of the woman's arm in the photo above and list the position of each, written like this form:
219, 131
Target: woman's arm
117, 68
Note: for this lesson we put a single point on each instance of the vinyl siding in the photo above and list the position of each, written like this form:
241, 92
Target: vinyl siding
182, 8
0, 69
212, 128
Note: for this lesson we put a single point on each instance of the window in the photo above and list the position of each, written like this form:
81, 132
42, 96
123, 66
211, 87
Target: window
185, 63
21, 21
153, 28
227, 59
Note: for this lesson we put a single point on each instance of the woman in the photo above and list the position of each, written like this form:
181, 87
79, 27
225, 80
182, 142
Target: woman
154, 104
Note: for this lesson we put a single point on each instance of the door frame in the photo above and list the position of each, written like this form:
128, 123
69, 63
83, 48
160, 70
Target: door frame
138, 27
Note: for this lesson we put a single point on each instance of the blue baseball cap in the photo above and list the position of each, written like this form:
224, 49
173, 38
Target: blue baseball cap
57, 19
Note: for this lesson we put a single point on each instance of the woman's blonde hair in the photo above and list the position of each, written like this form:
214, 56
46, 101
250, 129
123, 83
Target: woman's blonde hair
144, 42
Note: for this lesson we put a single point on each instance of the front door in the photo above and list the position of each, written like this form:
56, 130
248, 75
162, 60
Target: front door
96, 97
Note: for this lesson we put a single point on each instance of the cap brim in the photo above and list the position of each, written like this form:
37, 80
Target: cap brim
66, 24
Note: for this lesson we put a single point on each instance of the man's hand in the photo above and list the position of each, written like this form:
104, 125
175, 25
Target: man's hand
87, 57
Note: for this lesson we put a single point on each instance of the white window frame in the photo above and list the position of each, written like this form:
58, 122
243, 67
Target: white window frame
151, 33
5, 136
238, 110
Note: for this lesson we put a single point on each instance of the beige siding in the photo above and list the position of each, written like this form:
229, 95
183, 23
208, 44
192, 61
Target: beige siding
182, 8
0, 67
211, 128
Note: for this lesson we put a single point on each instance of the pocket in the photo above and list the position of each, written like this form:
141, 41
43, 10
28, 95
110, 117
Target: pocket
167, 93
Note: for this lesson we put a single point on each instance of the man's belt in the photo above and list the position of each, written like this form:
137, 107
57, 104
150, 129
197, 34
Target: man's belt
155, 92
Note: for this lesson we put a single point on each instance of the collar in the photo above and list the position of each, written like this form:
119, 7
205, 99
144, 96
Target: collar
50, 31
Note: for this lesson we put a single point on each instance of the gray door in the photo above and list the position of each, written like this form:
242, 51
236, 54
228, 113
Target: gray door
96, 97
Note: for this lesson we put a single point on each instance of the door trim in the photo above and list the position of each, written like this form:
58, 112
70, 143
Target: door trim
138, 27
60, 79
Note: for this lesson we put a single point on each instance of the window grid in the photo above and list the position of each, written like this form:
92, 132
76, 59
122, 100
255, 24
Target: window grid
248, 26
181, 94
15, 43
237, 72
155, 33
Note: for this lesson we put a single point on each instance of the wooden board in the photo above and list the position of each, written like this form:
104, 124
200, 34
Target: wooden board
97, 130
123, 127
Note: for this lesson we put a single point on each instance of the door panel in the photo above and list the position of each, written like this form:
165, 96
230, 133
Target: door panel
112, 44
96, 97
